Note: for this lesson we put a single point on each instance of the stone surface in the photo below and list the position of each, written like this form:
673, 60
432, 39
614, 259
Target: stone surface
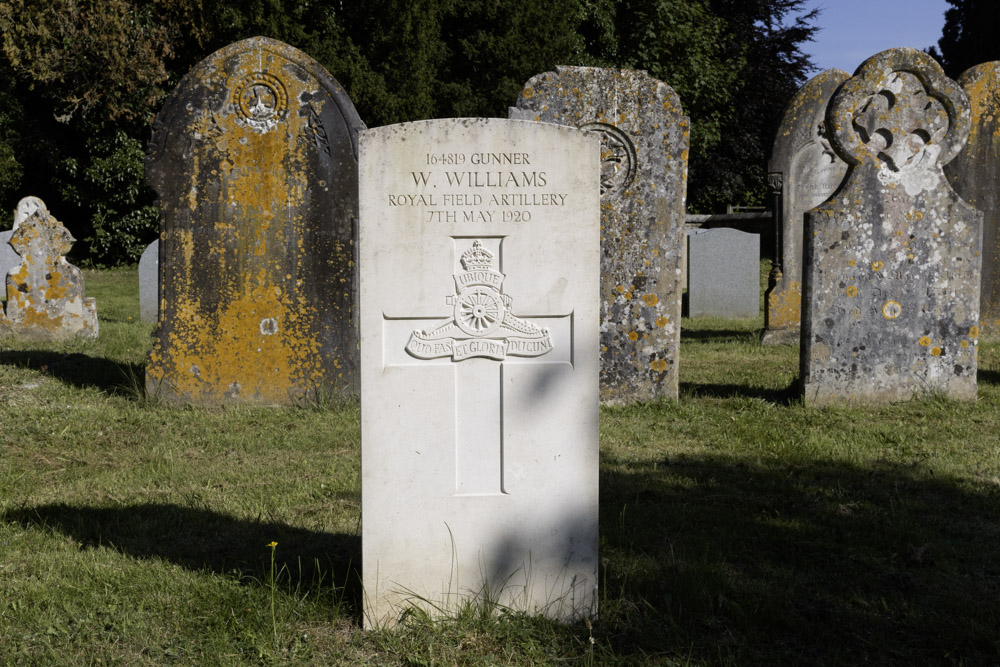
975, 175
254, 159
8, 258
149, 282
805, 167
723, 273
891, 292
45, 293
644, 147
479, 249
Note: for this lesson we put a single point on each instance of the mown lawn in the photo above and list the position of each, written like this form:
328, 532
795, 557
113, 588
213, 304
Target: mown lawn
737, 527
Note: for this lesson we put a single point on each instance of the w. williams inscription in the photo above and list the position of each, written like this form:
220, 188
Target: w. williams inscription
479, 248
482, 314
448, 188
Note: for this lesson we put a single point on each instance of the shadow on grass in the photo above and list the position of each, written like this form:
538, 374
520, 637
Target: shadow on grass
988, 377
714, 561
707, 390
720, 335
81, 370
201, 539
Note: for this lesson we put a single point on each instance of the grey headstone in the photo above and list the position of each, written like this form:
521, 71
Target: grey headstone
8, 258
644, 139
723, 273
254, 159
975, 175
805, 167
149, 265
892, 262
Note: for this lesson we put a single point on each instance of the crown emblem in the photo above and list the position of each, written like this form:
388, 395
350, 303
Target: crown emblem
477, 258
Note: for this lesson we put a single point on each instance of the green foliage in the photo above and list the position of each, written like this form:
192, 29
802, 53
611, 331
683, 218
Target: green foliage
86, 77
969, 36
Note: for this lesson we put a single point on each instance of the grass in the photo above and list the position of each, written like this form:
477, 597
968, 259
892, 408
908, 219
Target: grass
737, 526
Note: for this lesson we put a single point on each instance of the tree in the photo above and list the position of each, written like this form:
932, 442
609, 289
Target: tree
969, 36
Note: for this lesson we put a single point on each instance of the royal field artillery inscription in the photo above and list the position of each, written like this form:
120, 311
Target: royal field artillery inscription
479, 366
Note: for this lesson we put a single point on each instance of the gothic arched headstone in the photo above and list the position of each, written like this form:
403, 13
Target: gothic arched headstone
891, 290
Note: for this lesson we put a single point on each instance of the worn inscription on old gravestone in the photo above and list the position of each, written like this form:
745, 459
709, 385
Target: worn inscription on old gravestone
807, 170
644, 148
975, 175
479, 248
890, 307
45, 294
254, 160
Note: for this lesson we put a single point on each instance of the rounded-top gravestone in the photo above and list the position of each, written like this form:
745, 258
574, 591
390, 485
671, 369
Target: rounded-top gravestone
975, 175
807, 170
254, 159
644, 150
891, 291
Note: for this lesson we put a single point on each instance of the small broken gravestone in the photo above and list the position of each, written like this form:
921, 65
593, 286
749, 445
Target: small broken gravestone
479, 248
723, 273
975, 175
254, 159
149, 265
807, 170
644, 148
45, 294
891, 291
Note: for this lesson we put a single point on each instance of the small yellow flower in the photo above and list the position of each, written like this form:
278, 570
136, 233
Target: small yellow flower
273, 544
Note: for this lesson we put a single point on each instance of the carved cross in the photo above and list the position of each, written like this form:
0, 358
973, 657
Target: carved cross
479, 340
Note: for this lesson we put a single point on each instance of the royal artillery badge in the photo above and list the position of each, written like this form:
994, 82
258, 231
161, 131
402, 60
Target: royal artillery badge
482, 325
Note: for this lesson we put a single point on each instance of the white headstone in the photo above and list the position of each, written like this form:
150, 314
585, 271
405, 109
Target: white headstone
479, 258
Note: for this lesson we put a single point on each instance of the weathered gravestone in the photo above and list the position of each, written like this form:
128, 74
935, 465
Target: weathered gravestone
807, 170
644, 147
479, 248
8, 258
723, 273
254, 160
975, 175
149, 266
891, 292
45, 294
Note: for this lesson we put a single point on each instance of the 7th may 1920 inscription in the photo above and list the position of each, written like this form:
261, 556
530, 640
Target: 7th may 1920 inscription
442, 189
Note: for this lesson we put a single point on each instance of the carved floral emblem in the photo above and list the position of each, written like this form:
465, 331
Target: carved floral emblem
261, 100
618, 159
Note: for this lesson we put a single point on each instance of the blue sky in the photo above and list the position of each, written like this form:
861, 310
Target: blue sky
852, 30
